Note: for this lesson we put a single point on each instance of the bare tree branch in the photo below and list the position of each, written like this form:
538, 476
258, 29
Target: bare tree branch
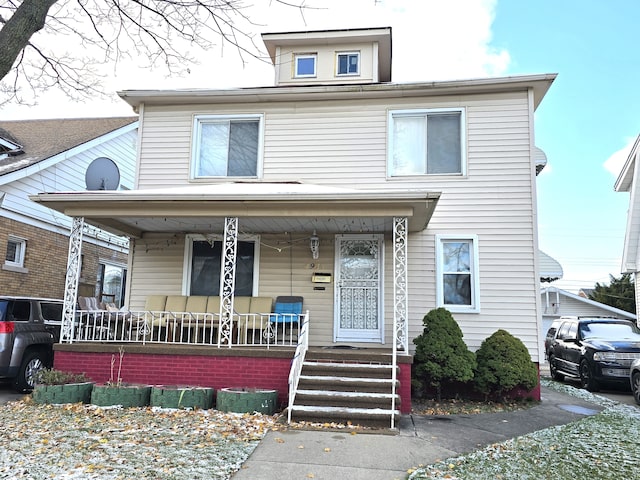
163, 32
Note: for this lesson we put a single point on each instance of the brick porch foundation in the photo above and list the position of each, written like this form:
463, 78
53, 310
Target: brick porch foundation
193, 366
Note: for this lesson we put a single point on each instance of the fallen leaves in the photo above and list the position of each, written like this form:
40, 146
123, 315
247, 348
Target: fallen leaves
75, 441
452, 406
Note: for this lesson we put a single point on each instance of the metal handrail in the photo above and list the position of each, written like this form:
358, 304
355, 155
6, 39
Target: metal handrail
394, 366
297, 362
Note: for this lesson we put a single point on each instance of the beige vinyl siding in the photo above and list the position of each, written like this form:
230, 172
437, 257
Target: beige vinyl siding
339, 143
165, 149
68, 175
156, 268
325, 64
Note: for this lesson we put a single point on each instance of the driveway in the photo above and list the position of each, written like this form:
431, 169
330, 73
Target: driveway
7, 393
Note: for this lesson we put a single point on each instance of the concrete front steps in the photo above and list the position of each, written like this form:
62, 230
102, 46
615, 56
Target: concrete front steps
352, 391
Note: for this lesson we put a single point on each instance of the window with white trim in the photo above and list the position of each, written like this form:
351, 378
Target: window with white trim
457, 283
348, 63
426, 142
110, 283
305, 65
204, 259
16, 249
227, 146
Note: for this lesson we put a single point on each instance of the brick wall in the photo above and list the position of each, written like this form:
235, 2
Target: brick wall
205, 371
193, 370
46, 262
404, 377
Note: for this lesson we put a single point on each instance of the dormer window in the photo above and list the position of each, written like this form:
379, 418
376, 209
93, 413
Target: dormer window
348, 63
305, 65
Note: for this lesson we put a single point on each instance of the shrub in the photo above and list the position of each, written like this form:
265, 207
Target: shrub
51, 376
441, 355
503, 364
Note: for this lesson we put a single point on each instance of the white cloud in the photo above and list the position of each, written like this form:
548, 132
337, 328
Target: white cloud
616, 161
432, 40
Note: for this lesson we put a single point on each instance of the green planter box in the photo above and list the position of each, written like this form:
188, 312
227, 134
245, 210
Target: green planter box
181, 397
127, 396
66, 393
247, 400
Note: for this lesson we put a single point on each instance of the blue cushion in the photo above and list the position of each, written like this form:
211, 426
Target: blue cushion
281, 309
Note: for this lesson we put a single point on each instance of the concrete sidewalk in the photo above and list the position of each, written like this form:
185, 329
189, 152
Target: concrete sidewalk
322, 455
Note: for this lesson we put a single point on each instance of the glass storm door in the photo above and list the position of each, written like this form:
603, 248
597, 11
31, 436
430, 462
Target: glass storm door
359, 269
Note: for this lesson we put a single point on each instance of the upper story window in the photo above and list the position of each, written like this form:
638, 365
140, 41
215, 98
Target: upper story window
305, 65
457, 283
227, 146
348, 63
426, 142
16, 249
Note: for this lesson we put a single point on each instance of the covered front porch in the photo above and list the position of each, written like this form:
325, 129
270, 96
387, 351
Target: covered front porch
344, 252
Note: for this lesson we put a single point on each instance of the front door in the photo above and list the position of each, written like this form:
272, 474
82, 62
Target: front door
358, 288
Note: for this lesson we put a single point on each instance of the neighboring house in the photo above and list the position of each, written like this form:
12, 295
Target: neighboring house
374, 201
53, 155
628, 182
586, 292
556, 303
550, 268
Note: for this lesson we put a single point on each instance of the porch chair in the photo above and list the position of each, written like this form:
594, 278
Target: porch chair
94, 321
286, 314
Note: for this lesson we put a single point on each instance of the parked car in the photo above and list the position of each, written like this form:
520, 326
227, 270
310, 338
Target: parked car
594, 350
28, 329
551, 334
634, 376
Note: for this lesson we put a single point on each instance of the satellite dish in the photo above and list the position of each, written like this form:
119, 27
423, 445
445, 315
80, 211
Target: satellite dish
102, 174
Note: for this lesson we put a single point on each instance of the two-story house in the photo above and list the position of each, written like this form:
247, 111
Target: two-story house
54, 155
371, 202
628, 182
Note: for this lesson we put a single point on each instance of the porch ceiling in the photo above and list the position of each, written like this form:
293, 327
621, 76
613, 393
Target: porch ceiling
260, 207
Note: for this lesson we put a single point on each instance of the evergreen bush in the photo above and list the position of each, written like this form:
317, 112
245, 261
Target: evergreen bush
441, 355
51, 376
503, 364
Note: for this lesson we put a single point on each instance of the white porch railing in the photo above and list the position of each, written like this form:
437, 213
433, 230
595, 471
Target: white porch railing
297, 362
253, 329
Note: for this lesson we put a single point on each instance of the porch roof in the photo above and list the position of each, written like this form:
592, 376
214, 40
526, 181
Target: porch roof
262, 207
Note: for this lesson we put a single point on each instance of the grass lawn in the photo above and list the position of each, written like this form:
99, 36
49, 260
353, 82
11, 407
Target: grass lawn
603, 446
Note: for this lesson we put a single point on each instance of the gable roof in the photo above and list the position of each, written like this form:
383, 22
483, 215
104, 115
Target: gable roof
38, 140
608, 310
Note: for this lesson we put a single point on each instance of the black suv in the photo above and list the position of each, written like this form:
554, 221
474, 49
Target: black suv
28, 329
594, 350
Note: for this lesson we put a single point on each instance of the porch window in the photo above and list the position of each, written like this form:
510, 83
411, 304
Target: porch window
457, 285
110, 283
205, 263
426, 142
227, 146
16, 249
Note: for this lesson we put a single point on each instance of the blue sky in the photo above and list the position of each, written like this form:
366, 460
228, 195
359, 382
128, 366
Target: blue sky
585, 123
589, 115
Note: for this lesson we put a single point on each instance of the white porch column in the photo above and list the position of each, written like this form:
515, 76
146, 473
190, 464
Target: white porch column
228, 280
400, 290
71, 280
